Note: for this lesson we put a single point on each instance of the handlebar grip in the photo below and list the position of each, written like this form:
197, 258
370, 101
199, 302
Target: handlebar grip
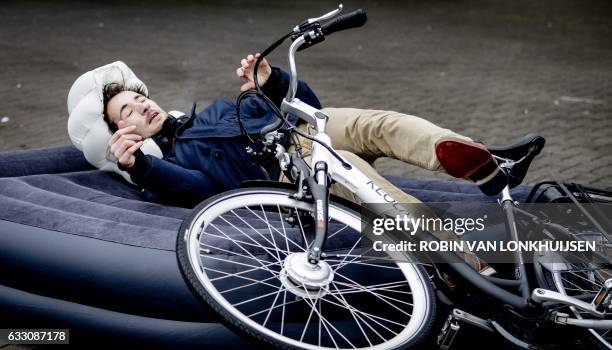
353, 19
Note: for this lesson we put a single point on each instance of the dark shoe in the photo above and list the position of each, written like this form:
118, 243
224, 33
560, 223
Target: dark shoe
465, 159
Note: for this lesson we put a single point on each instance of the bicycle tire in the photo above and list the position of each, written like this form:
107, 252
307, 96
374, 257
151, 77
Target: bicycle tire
201, 271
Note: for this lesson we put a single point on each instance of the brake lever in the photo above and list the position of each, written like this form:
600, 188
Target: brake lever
308, 22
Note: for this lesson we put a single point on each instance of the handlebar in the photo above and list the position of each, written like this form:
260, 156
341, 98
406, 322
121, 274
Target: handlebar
304, 35
315, 33
353, 19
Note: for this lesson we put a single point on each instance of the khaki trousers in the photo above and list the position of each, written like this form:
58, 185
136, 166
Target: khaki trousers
362, 136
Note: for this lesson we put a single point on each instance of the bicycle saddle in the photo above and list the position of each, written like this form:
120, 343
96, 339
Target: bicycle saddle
522, 151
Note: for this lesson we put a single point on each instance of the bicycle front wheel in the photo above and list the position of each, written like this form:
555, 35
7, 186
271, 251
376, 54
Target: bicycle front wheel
243, 253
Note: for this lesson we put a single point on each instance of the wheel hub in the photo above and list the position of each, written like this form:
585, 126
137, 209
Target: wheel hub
305, 279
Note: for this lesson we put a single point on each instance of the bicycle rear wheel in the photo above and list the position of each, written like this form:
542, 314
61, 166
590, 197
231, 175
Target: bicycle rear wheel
243, 253
581, 280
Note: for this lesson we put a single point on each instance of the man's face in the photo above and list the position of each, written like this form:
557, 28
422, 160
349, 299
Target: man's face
129, 108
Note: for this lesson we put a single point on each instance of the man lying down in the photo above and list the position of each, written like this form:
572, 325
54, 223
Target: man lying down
204, 154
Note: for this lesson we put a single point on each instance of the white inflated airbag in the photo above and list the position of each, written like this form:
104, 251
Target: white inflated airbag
86, 126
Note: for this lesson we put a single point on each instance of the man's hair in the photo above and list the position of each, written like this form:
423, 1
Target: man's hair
111, 90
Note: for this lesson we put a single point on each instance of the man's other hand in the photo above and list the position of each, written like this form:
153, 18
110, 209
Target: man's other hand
124, 143
246, 69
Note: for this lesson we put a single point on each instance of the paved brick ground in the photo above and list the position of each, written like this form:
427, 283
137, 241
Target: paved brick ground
492, 70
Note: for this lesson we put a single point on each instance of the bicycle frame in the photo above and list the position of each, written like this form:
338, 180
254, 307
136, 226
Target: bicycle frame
326, 165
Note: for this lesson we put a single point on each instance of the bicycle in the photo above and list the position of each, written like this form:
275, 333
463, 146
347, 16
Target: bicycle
283, 262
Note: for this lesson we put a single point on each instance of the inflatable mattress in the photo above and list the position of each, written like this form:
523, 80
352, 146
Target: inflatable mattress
79, 249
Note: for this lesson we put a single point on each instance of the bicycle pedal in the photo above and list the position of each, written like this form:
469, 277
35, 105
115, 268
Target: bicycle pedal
448, 333
603, 299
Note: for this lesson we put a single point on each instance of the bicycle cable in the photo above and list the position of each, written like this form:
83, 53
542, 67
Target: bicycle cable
259, 93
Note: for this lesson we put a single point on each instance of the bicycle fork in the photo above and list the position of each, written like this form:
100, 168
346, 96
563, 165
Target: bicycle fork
319, 188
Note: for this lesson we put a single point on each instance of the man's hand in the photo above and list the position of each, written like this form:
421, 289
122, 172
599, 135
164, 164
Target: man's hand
124, 143
246, 72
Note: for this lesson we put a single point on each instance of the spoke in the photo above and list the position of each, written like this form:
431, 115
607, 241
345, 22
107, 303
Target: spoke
380, 295
283, 312
263, 268
307, 323
364, 258
586, 279
577, 286
354, 291
372, 328
247, 236
247, 285
272, 307
273, 273
259, 234
239, 241
350, 308
375, 294
371, 317
347, 254
271, 234
280, 217
277, 231
582, 291
277, 306
380, 285
246, 278
237, 263
257, 298
342, 264
229, 274
319, 308
394, 299
324, 320
234, 253
302, 228
366, 264
338, 231
586, 269
601, 278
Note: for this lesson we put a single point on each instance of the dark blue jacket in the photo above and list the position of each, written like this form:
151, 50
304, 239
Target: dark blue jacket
209, 155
